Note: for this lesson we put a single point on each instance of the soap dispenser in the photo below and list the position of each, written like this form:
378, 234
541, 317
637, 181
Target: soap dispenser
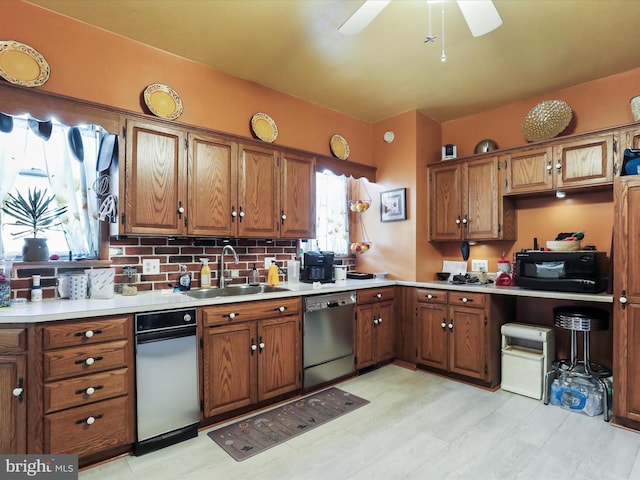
254, 279
205, 273
272, 276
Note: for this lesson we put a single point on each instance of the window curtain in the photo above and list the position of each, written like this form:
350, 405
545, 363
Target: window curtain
332, 225
71, 157
10, 161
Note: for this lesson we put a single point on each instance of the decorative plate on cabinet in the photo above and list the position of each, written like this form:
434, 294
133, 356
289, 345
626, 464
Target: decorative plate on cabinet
339, 147
546, 120
22, 64
263, 127
163, 101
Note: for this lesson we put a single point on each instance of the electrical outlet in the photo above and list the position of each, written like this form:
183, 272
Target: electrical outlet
151, 266
267, 261
479, 265
235, 273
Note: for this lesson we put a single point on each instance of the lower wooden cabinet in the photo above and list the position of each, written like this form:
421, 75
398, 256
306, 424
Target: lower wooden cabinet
459, 333
251, 353
13, 390
88, 386
375, 326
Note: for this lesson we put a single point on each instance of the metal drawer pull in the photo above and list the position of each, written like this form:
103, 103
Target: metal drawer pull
465, 299
443, 325
88, 333
378, 295
230, 315
451, 325
429, 296
260, 343
89, 420
17, 392
88, 361
281, 309
89, 390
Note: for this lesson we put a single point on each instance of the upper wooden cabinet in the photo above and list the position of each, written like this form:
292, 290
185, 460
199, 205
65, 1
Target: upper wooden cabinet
466, 202
194, 184
582, 162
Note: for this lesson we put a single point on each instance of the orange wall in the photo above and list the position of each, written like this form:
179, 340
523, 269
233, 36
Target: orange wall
95, 65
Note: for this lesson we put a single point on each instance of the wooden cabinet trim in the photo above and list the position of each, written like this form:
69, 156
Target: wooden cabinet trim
13, 340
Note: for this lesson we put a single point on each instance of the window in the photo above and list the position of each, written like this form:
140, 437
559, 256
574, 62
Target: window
62, 160
332, 220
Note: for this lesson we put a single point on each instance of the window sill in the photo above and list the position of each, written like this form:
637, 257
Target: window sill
63, 263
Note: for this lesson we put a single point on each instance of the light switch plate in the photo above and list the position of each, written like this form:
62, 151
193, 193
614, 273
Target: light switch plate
267, 261
479, 265
151, 266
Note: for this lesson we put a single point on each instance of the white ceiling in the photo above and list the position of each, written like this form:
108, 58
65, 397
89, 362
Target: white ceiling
293, 46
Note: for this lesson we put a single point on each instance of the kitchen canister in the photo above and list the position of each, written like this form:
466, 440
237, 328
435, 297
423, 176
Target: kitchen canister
101, 282
340, 272
78, 287
293, 271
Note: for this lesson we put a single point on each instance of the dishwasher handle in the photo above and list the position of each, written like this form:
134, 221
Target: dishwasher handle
159, 335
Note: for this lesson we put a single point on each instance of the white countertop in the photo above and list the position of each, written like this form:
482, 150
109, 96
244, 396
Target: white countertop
49, 310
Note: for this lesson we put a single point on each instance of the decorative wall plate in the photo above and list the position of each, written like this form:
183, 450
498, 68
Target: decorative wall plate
546, 120
263, 127
339, 147
163, 101
22, 64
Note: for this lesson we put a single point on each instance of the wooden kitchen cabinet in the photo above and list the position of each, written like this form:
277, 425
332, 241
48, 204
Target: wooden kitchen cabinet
251, 353
88, 386
465, 202
626, 307
582, 162
375, 326
190, 183
459, 333
13, 390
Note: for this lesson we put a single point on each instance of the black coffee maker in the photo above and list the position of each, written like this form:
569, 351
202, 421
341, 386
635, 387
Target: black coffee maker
318, 267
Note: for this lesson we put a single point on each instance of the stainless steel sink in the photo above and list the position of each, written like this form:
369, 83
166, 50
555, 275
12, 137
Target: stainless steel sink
233, 290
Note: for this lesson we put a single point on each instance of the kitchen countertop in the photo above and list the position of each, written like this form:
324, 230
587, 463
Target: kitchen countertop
50, 310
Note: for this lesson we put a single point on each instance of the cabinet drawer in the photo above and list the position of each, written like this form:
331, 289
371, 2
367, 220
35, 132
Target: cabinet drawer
13, 339
467, 299
241, 312
374, 295
85, 333
431, 296
89, 429
73, 393
69, 362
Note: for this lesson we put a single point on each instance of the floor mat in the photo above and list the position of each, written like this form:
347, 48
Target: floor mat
256, 434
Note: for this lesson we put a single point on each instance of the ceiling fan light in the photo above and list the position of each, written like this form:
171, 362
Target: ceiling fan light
362, 17
481, 16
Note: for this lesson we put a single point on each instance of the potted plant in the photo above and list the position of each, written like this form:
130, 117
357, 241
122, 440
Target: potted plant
37, 214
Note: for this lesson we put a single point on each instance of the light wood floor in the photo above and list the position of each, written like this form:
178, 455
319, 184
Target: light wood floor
417, 426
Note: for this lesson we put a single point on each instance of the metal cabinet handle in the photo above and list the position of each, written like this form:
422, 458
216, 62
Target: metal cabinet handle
375, 322
241, 214
378, 295
281, 308
443, 325
88, 361
465, 220
623, 299
429, 296
231, 315
19, 390
234, 214
379, 320
283, 217
549, 168
89, 390
559, 165
180, 209
458, 221
451, 324
465, 299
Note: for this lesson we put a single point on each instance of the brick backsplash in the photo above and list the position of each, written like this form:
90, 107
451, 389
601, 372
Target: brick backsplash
172, 252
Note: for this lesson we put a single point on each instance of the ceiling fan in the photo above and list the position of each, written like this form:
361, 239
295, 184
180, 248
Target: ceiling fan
481, 16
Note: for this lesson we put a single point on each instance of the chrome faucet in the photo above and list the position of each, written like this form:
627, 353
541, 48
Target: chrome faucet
235, 259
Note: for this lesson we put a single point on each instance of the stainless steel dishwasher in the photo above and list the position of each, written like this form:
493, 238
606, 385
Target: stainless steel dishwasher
328, 346
168, 405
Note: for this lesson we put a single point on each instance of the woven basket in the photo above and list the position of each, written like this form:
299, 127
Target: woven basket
563, 246
546, 120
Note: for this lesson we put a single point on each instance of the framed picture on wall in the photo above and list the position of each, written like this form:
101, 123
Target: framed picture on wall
393, 205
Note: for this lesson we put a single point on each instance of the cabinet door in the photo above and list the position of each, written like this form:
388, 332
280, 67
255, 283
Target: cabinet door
385, 331
445, 202
528, 171
279, 359
482, 200
298, 180
365, 341
212, 186
13, 408
229, 364
258, 193
432, 335
467, 342
626, 341
155, 186
584, 162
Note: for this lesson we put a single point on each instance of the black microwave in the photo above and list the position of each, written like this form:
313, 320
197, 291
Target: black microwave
581, 271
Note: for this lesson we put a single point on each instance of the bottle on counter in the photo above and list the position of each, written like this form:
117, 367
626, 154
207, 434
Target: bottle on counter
254, 279
36, 289
272, 276
184, 281
205, 273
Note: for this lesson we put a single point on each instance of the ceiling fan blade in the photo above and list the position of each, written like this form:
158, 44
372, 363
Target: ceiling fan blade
481, 16
362, 17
